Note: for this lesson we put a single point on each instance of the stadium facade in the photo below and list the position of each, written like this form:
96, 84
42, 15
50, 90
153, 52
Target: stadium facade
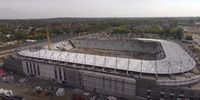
111, 67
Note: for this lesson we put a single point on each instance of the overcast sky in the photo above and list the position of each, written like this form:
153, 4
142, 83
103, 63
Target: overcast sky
17, 9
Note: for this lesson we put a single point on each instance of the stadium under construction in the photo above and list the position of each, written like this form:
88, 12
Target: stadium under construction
124, 68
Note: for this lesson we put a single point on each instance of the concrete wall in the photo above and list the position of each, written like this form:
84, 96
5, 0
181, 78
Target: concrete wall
44, 71
72, 77
191, 80
152, 91
109, 84
90, 81
134, 45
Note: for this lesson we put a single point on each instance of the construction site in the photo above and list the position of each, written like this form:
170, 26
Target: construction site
123, 67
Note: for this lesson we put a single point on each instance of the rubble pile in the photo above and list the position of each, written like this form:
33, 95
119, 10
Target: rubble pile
6, 92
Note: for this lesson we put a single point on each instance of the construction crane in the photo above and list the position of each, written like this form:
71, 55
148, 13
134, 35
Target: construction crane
48, 38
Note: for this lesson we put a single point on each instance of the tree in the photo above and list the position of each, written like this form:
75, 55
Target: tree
3, 37
156, 29
120, 30
40, 36
179, 33
19, 35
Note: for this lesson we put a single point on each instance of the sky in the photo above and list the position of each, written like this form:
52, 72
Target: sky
31, 9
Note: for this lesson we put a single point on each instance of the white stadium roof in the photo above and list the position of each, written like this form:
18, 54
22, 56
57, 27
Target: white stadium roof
176, 60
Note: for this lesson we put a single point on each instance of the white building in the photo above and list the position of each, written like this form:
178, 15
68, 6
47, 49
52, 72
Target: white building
110, 75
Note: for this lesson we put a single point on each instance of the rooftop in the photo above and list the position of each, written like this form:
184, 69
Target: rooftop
173, 62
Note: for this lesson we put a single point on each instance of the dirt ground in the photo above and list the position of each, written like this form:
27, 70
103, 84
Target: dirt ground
26, 93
